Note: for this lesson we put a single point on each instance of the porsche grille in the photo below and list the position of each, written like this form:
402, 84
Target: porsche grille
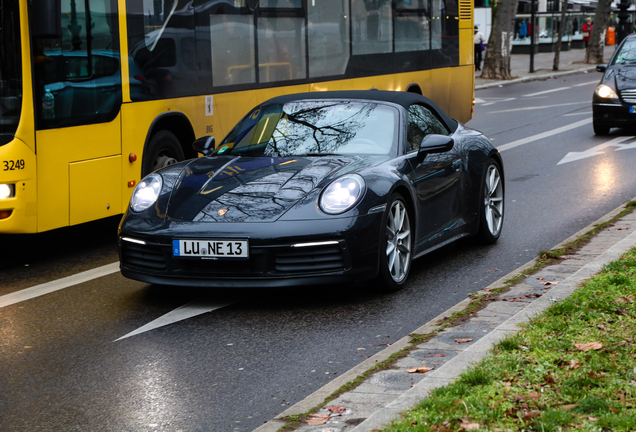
310, 259
144, 257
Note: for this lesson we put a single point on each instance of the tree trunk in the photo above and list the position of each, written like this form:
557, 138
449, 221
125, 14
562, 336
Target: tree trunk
557, 50
497, 59
594, 52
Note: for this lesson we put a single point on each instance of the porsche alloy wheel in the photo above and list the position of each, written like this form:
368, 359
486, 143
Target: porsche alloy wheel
492, 213
398, 245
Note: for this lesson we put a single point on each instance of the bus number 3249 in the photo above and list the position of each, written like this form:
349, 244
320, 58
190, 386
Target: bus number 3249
13, 165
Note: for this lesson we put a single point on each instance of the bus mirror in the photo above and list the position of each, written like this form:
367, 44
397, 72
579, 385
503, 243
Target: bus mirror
204, 145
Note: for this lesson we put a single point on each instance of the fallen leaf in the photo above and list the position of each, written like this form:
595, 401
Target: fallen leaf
534, 395
468, 424
550, 283
614, 410
361, 349
592, 419
317, 419
621, 394
463, 340
623, 299
422, 369
529, 416
549, 379
336, 409
569, 407
575, 364
603, 327
588, 346
439, 355
540, 278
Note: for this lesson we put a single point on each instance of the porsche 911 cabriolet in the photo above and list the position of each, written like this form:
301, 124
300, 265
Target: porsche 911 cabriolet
314, 188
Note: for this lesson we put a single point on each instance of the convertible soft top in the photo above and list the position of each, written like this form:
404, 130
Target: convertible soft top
404, 99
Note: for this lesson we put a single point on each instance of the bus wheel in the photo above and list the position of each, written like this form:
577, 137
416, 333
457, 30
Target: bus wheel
164, 150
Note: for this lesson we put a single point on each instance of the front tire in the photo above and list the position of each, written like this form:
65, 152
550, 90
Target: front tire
492, 204
396, 245
163, 150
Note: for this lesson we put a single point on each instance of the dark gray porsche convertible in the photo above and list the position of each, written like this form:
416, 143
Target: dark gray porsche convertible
316, 188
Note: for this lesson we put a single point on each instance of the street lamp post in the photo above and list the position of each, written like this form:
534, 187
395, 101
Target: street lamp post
623, 24
532, 31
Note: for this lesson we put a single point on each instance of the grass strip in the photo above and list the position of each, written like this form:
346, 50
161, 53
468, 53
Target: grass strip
478, 301
569, 368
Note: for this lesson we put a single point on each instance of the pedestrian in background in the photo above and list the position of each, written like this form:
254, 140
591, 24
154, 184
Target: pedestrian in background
479, 47
587, 30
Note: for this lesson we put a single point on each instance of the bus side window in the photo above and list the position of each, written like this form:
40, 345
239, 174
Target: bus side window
75, 62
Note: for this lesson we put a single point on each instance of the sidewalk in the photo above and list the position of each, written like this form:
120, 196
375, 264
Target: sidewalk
569, 62
382, 395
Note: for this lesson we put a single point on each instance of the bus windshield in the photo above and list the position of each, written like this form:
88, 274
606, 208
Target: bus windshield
314, 128
10, 70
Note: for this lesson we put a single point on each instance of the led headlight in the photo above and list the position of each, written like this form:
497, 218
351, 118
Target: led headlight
606, 92
342, 194
6, 191
146, 192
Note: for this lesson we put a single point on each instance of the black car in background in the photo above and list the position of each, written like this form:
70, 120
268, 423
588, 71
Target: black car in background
614, 100
316, 188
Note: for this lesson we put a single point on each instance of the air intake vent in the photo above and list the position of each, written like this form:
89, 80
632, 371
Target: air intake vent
144, 257
629, 95
465, 10
310, 259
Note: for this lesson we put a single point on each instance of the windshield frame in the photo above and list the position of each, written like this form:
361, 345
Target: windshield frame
226, 146
11, 82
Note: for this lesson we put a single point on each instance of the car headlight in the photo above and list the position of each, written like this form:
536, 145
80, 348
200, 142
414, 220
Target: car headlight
342, 194
146, 192
604, 91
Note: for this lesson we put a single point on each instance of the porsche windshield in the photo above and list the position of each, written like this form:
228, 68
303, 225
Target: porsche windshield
314, 128
10, 70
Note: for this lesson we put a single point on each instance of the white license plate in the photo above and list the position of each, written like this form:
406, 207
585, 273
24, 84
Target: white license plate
214, 248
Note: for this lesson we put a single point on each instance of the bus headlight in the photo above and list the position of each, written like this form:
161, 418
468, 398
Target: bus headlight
146, 193
7, 191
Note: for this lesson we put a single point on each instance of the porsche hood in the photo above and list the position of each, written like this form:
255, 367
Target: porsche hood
248, 189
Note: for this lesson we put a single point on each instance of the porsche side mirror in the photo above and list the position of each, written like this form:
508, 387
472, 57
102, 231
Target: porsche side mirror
434, 144
204, 145
601, 68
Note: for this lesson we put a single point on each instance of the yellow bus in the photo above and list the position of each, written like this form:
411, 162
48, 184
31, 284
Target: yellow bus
95, 94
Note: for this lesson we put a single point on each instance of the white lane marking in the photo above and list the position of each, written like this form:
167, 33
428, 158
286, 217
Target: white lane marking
479, 100
586, 83
539, 107
547, 91
544, 135
49, 287
188, 310
575, 114
599, 149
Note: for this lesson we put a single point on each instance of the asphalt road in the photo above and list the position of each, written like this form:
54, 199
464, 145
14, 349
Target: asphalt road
92, 357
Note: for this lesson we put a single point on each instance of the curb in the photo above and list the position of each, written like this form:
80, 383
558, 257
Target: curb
475, 353
534, 78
